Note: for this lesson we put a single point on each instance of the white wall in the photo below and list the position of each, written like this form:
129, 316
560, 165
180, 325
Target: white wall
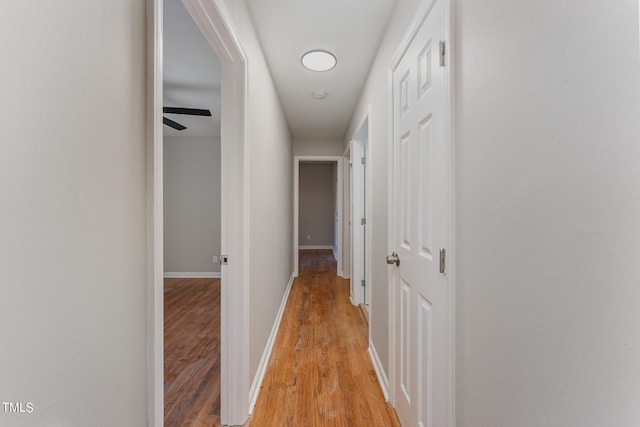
72, 203
318, 146
548, 176
191, 204
270, 189
317, 204
376, 93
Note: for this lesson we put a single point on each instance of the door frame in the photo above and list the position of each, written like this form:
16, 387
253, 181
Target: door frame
296, 207
212, 19
346, 213
420, 16
364, 126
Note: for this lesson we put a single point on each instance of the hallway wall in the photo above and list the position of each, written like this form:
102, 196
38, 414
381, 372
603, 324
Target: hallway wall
318, 147
270, 189
375, 93
548, 201
72, 208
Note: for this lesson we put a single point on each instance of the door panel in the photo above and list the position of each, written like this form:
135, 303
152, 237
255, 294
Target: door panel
425, 373
420, 228
405, 359
406, 181
424, 193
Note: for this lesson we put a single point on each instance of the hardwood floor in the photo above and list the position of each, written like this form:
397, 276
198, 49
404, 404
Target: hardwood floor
320, 373
192, 352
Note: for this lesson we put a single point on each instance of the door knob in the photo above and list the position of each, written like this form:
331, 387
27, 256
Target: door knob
393, 259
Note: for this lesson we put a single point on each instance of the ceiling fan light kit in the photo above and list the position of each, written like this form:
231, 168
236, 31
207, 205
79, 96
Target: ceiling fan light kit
319, 60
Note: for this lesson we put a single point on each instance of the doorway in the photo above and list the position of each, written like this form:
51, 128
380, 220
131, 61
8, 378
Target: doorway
212, 20
328, 231
360, 270
192, 223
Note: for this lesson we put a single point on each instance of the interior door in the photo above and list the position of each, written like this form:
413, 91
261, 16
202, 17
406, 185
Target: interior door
420, 228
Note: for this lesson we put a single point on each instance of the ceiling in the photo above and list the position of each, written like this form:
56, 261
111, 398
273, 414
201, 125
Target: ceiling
350, 29
191, 73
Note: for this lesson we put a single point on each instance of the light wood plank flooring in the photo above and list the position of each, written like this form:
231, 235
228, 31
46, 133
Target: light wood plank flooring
192, 352
320, 373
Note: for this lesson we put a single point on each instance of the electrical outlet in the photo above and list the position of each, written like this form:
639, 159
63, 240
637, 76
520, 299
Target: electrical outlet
308, 236
216, 259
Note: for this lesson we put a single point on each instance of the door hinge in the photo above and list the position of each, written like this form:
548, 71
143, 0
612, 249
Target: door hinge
363, 160
363, 221
443, 52
224, 259
443, 256
364, 282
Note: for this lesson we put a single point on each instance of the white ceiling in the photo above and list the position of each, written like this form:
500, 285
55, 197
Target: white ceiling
191, 73
350, 29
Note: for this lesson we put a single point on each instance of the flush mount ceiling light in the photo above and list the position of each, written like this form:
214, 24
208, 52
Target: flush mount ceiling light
319, 60
319, 94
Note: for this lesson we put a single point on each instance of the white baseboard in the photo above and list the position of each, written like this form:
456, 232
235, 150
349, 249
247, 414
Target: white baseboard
192, 275
316, 247
377, 365
262, 367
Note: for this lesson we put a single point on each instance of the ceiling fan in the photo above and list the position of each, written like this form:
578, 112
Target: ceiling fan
178, 110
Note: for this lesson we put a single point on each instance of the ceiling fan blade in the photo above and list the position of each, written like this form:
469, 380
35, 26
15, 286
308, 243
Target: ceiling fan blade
173, 124
188, 111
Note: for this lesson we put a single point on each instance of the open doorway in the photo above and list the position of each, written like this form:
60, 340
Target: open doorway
318, 206
192, 222
213, 21
357, 155
317, 201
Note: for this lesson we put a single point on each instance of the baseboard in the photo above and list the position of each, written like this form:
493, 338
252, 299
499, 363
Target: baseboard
262, 367
192, 275
316, 247
377, 365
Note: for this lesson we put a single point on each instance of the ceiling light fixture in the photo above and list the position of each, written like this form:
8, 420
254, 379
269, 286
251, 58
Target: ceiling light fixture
319, 94
319, 60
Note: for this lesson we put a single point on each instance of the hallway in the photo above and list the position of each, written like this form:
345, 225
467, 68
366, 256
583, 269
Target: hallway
320, 373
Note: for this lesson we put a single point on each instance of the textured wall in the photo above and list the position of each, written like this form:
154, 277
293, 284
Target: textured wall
271, 190
72, 209
548, 204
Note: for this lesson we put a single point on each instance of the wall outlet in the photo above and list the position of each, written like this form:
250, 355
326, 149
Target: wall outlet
216, 259
308, 236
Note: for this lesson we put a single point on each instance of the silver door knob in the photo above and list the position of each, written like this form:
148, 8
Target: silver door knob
393, 259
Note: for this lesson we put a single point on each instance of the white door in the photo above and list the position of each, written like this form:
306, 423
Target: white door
420, 229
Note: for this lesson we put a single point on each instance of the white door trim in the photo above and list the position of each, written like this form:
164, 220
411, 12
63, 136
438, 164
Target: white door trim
154, 191
213, 20
364, 125
419, 17
346, 213
296, 205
